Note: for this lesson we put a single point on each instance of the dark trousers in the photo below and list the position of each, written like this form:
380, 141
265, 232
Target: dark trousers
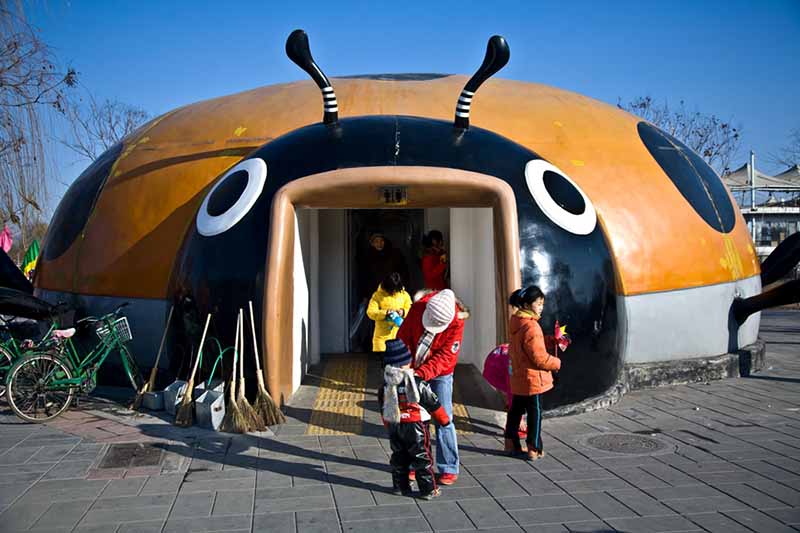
411, 450
533, 407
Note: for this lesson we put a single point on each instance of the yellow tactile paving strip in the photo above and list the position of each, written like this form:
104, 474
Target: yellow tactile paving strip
339, 407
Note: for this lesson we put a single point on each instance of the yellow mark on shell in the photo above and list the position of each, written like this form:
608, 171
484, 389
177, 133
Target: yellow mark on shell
731, 260
557, 124
239, 131
578, 162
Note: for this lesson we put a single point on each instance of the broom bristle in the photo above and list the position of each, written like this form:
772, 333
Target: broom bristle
267, 409
137, 402
234, 421
184, 416
256, 423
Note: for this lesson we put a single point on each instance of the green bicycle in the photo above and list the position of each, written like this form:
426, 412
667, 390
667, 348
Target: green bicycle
41, 385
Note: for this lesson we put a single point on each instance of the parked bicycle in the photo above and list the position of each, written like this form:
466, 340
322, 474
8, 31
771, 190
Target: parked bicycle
42, 385
19, 337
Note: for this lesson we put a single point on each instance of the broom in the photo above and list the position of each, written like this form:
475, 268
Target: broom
151, 383
255, 422
264, 406
184, 416
234, 422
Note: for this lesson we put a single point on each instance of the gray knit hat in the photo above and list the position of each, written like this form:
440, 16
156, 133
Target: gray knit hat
440, 310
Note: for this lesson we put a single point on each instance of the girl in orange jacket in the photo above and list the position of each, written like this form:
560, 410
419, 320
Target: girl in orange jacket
531, 371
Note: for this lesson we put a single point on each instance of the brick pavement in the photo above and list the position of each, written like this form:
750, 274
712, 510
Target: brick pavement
730, 462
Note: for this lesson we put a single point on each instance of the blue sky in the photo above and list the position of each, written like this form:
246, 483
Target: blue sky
737, 59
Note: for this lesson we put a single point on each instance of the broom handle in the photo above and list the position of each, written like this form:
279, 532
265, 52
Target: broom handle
241, 359
259, 374
152, 381
199, 351
232, 387
255, 342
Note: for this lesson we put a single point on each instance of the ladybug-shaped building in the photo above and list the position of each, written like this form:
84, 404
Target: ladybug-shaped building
635, 240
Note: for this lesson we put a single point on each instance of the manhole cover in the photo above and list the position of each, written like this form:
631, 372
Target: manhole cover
131, 455
625, 443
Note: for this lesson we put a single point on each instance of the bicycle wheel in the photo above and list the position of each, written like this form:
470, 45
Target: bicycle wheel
6, 360
29, 392
134, 375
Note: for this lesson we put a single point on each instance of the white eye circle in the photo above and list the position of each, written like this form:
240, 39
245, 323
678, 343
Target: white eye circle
221, 209
560, 198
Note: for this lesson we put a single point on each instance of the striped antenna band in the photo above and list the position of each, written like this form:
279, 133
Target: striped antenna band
298, 51
497, 55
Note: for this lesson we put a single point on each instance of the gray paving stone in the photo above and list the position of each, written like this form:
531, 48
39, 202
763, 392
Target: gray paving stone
352, 496
594, 485
22, 515
18, 455
500, 486
487, 513
222, 484
277, 522
540, 501
752, 497
671, 475
641, 503
789, 515
462, 493
778, 491
700, 505
146, 526
134, 502
63, 515
214, 523
233, 502
397, 512
445, 516
196, 476
28, 468
717, 523
294, 504
130, 514
552, 515
579, 475
759, 522
191, 505
162, 484
66, 490
48, 454
681, 493
316, 521
69, 470
604, 505
408, 525
653, 524
639, 478
294, 492
536, 483
123, 487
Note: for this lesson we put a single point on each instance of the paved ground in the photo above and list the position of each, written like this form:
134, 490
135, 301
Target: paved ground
723, 456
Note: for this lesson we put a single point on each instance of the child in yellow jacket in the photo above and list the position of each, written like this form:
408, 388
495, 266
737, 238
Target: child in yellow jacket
388, 303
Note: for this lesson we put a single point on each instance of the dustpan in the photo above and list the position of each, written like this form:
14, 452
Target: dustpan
210, 405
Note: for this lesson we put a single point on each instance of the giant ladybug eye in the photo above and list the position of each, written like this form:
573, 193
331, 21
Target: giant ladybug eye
232, 197
560, 198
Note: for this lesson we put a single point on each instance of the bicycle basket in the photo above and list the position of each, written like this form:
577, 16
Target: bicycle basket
121, 327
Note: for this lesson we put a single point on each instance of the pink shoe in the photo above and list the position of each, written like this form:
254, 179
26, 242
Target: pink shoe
447, 479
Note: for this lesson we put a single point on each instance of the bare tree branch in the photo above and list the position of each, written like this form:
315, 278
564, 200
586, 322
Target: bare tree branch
98, 127
714, 139
788, 155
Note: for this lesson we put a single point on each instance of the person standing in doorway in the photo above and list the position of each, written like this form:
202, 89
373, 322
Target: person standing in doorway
434, 261
433, 332
388, 307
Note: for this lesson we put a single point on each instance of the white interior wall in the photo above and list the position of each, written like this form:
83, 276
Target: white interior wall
300, 330
332, 287
438, 218
472, 277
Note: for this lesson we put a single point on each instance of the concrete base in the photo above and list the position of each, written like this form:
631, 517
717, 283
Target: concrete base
478, 394
648, 375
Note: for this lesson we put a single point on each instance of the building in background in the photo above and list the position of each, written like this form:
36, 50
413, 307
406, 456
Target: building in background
769, 204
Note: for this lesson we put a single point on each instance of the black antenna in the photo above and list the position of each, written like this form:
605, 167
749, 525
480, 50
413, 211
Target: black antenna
298, 51
497, 54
